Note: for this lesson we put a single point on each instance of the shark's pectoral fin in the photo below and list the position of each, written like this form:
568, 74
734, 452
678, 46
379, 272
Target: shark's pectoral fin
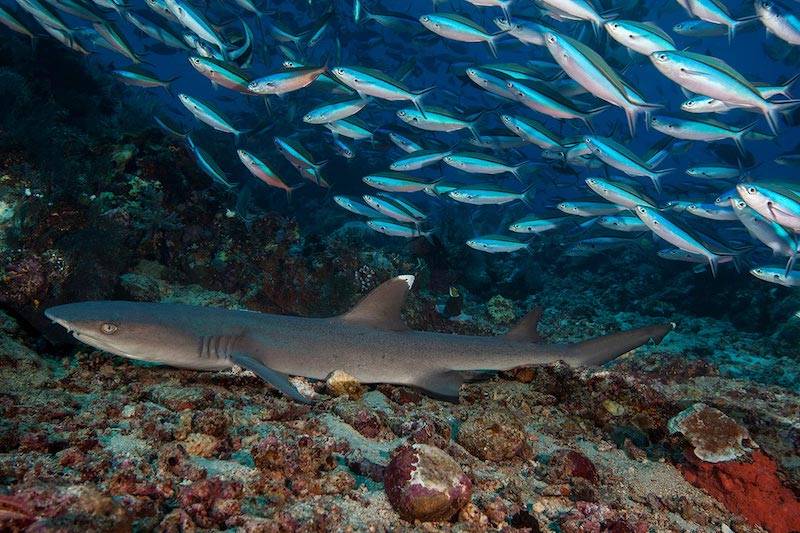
381, 307
277, 379
444, 385
527, 329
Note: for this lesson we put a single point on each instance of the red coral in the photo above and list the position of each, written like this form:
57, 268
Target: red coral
751, 489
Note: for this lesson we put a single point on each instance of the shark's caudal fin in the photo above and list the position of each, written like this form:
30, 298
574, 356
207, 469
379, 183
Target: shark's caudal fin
381, 307
602, 349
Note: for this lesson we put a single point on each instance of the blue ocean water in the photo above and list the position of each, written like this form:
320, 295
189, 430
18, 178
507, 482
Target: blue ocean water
390, 38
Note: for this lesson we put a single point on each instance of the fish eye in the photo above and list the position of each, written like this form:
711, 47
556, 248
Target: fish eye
751, 190
108, 328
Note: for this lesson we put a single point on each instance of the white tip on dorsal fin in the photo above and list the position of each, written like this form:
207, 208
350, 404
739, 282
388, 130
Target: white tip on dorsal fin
381, 307
527, 329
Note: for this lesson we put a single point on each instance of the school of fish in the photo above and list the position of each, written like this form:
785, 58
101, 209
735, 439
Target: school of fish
522, 134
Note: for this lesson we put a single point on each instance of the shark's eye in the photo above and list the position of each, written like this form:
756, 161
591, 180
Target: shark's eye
108, 328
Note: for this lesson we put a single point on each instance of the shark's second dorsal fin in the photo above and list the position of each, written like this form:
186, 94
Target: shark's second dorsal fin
381, 307
527, 329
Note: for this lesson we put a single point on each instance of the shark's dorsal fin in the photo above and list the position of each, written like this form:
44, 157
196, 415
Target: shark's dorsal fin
381, 307
527, 329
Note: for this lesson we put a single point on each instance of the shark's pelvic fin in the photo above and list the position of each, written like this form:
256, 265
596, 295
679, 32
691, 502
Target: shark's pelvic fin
381, 307
527, 329
444, 385
277, 379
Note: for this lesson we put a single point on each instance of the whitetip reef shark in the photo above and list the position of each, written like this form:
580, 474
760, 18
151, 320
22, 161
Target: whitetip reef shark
370, 342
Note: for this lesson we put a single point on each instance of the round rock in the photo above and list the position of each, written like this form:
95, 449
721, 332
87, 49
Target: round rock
423, 483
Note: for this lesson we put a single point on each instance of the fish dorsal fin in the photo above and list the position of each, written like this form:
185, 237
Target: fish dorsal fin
527, 329
381, 307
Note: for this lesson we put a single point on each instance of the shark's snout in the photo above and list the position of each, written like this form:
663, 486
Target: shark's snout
53, 314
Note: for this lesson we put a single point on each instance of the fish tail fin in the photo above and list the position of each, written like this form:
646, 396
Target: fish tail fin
790, 263
600, 350
417, 99
528, 194
490, 42
787, 85
597, 110
656, 176
738, 23
773, 109
713, 262
739, 137
631, 114
506, 12
290, 190
428, 235
364, 14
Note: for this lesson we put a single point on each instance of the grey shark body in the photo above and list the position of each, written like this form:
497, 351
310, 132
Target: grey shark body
371, 342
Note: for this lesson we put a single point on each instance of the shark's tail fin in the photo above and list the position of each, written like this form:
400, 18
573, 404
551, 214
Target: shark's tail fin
599, 350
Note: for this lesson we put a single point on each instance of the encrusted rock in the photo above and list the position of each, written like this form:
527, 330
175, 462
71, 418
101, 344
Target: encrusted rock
340, 383
493, 436
202, 445
424, 483
715, 436
566, 464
